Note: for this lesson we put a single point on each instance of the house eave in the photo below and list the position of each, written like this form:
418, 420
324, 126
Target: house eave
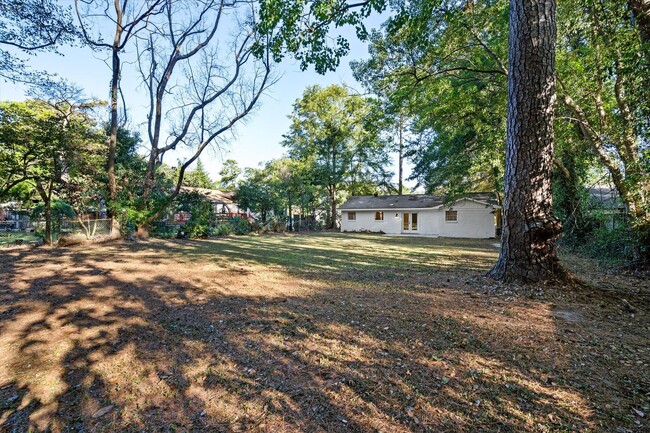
493, 206
387, 209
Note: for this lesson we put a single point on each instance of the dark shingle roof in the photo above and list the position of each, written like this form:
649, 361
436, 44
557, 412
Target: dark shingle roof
393, 201
411, 201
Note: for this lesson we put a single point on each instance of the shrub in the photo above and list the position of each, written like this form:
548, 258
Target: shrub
241, 226
224, 229
194, 229
622, 245
277, 225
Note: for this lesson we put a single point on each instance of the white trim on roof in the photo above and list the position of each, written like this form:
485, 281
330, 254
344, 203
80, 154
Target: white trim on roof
477, 201
495, 206
468, 199
385, 208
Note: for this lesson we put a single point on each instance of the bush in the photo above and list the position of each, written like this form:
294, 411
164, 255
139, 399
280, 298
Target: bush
194, 229
276, 225
224, 229
241, 226
203, 216
623, 245
163, 230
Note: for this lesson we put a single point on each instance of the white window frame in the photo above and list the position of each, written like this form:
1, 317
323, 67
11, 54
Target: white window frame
447, 220
352, 216
379, 213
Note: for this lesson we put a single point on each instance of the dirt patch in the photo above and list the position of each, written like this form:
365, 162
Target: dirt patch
318, 333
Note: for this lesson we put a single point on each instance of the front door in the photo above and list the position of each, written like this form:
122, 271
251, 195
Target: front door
410, 222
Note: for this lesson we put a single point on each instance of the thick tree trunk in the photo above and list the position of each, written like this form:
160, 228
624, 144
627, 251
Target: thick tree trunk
48, 223
149, 176
46, 196
528, 251
112, 137
142, 231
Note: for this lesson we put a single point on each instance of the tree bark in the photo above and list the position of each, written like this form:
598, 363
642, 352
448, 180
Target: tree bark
332, 222
115, 83
641, 11
46, 196
528, 249
400, 186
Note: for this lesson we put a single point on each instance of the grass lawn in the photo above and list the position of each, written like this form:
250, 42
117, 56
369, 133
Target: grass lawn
313, 333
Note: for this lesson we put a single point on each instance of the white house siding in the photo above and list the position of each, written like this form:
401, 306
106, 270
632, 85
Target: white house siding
428, 221
475, 220
366, 222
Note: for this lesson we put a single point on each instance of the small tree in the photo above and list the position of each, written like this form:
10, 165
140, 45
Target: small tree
328, 133
229, 175
198, 178
46, 145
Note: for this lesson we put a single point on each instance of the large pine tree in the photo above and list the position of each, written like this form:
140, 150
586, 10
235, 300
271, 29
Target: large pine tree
530, 230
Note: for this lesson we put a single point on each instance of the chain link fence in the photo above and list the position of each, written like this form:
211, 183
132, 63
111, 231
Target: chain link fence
33, 231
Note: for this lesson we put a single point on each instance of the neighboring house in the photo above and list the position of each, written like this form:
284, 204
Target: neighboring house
475, 215
222, 203
606, 200
12, 218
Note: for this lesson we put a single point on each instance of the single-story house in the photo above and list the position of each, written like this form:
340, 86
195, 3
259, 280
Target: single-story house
222, 203
606, 201
474, 215
12, 217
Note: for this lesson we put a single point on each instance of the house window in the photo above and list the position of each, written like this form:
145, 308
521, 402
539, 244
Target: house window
451, 216
379, 216
352, 216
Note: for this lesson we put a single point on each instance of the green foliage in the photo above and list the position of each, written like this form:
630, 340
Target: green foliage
431, 65
200, 208
229, 175
442, 64
51, 149
59, 209
225, 229
130, 169
302, 29
331, 137
611, 246
163, 230
255, 193
274, 225
234, 226
31, 26
198, 178
282, 188
241, 226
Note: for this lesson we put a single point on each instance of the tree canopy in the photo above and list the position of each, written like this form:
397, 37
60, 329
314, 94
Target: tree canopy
28, 27
329, 132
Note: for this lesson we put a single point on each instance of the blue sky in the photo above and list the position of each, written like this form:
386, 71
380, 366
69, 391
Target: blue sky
256, 141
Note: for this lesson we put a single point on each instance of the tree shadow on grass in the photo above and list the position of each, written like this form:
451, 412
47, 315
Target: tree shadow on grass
159, 352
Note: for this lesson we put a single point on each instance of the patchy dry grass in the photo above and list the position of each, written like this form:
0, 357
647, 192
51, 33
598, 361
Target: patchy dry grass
17, 238
313, 333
